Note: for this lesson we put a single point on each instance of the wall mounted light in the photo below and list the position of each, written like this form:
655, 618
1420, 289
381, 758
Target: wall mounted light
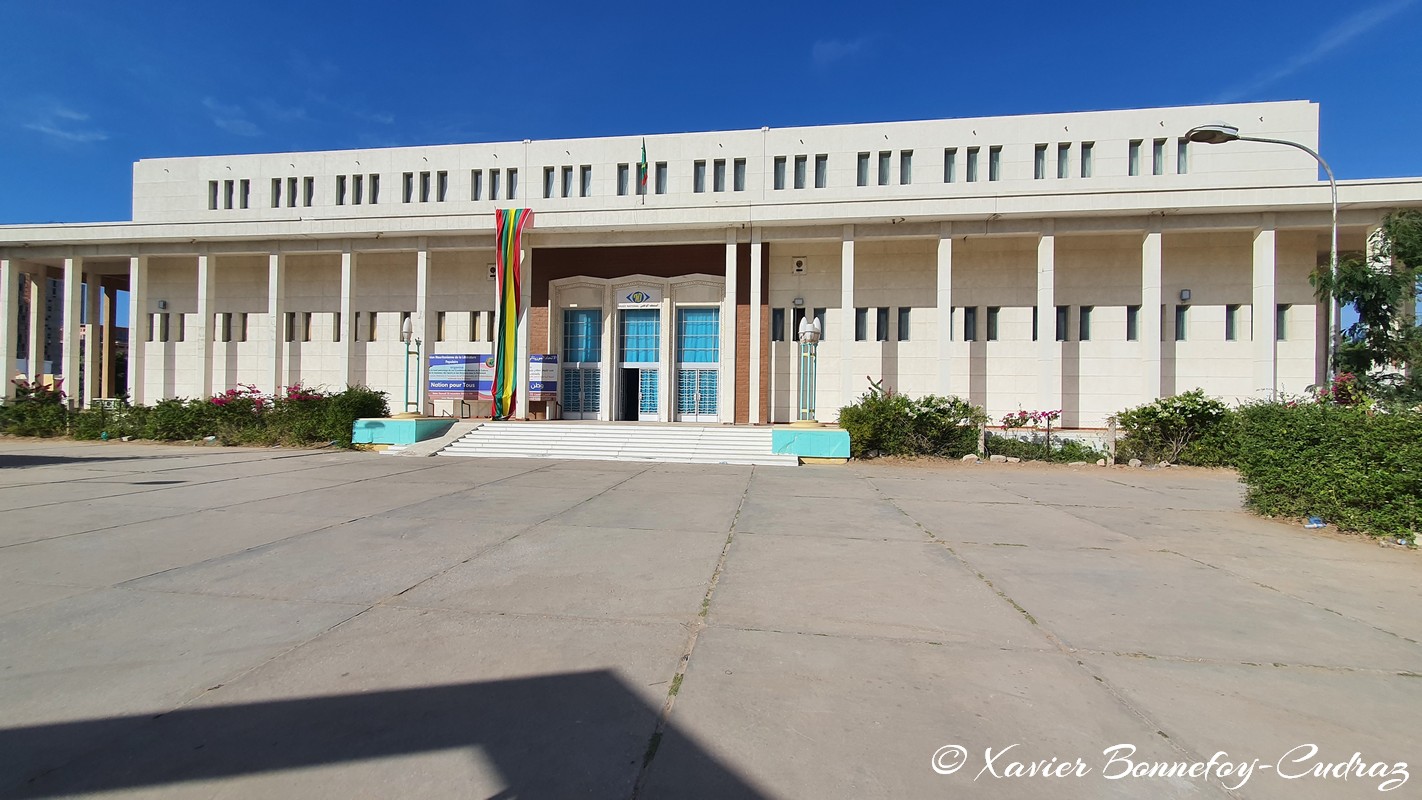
1184, 295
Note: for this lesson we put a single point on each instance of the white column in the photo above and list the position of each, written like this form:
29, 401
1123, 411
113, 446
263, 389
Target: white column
1266, 363
729, 334
753, 397
276, 313
1148, 318
1049, 350
206, 329
348, 324
607, 366
945, 309
137, 326
69, 358
110, 327
93, 321
521, 351
666, 357
425, 327
847, 378
39, 284
9, 325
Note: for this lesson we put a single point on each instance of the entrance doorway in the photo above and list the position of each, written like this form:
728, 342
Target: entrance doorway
581, 387
698, 356
639, 338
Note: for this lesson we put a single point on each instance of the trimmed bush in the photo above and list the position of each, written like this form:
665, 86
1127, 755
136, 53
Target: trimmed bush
1176, 429
884, 422
1358, 469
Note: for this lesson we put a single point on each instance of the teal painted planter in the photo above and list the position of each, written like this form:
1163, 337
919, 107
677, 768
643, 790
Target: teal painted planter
810, 442
398, 431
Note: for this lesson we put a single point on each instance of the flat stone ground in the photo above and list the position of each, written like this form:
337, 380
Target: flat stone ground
211, 622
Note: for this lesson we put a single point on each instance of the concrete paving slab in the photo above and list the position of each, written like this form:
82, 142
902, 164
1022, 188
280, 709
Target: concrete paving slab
49, 522
813, 516
1162, 604
361, 561
450, 705
626, 506
811, 481
358, 498
658, 576
809, 716
225, 492
18, 595
115, 555
497, 506
939, 489
1025, 524
854, 587
1272, 714
116, 652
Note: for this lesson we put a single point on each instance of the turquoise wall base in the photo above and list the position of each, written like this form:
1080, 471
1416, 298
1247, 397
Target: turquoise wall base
398, 431
810, 442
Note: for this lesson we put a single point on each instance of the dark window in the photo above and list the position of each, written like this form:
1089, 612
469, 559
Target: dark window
881, 326
1180, 314
861, 324
904, 324
1133, 321
970, 323
1083, 324
992, 315
777, 324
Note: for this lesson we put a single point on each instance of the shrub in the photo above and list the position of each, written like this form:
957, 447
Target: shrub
1358, 469
1063, 451
884, 422
37, 410
1165, 429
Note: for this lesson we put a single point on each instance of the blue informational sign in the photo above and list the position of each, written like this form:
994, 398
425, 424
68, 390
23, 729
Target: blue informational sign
542, 376
461, 376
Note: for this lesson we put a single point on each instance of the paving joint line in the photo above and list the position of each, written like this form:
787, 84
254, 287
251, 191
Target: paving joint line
698, 625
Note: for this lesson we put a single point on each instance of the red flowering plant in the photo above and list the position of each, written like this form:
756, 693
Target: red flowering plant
243, 395
1344, 391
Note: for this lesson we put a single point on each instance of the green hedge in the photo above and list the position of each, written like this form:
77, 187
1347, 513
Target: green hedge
884, 422
239, 416
1357, 468
1063, 451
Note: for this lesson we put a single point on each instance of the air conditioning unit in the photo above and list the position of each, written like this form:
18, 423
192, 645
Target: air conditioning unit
799, 262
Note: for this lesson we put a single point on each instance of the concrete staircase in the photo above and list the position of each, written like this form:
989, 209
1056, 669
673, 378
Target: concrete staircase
685, 444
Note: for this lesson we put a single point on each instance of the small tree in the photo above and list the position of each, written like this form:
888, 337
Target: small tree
1384, 347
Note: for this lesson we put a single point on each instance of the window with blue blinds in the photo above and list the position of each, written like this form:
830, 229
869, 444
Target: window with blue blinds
582, 335
698, 335
640, 335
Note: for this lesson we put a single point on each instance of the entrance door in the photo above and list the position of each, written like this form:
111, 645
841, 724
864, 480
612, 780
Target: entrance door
581, 387
639, 351
698, 356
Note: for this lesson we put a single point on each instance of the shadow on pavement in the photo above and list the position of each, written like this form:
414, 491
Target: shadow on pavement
566, 735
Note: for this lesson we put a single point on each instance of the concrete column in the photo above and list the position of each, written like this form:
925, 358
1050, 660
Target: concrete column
521, 351
206, 329
945, 309
110, 295
276, 313
607, 366
1148, 318
666, 358
847, 379
1266, 338
9, 325
137, 326
1049, 350
753, 397
39, 284
729, 333
349, 329
425, 327
69, 332
93, 325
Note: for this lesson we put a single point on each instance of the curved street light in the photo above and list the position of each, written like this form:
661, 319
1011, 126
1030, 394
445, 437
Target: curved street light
1220, 133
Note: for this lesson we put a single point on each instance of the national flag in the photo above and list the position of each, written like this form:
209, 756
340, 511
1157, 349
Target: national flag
642, 168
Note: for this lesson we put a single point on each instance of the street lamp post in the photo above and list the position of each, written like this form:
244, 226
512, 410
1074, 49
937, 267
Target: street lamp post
1219, 133
406, 333
809, 335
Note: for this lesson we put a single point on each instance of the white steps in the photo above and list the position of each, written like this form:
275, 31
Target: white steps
685, 444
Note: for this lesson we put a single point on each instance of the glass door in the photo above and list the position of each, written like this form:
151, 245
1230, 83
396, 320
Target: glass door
581, 387
639, 349
698, 358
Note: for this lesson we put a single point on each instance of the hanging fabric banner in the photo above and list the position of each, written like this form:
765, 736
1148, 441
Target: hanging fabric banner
508, 299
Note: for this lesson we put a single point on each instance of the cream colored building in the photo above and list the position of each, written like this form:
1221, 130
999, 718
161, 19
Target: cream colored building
1083, 261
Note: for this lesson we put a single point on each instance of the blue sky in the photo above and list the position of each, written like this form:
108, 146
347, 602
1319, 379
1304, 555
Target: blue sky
87, 88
